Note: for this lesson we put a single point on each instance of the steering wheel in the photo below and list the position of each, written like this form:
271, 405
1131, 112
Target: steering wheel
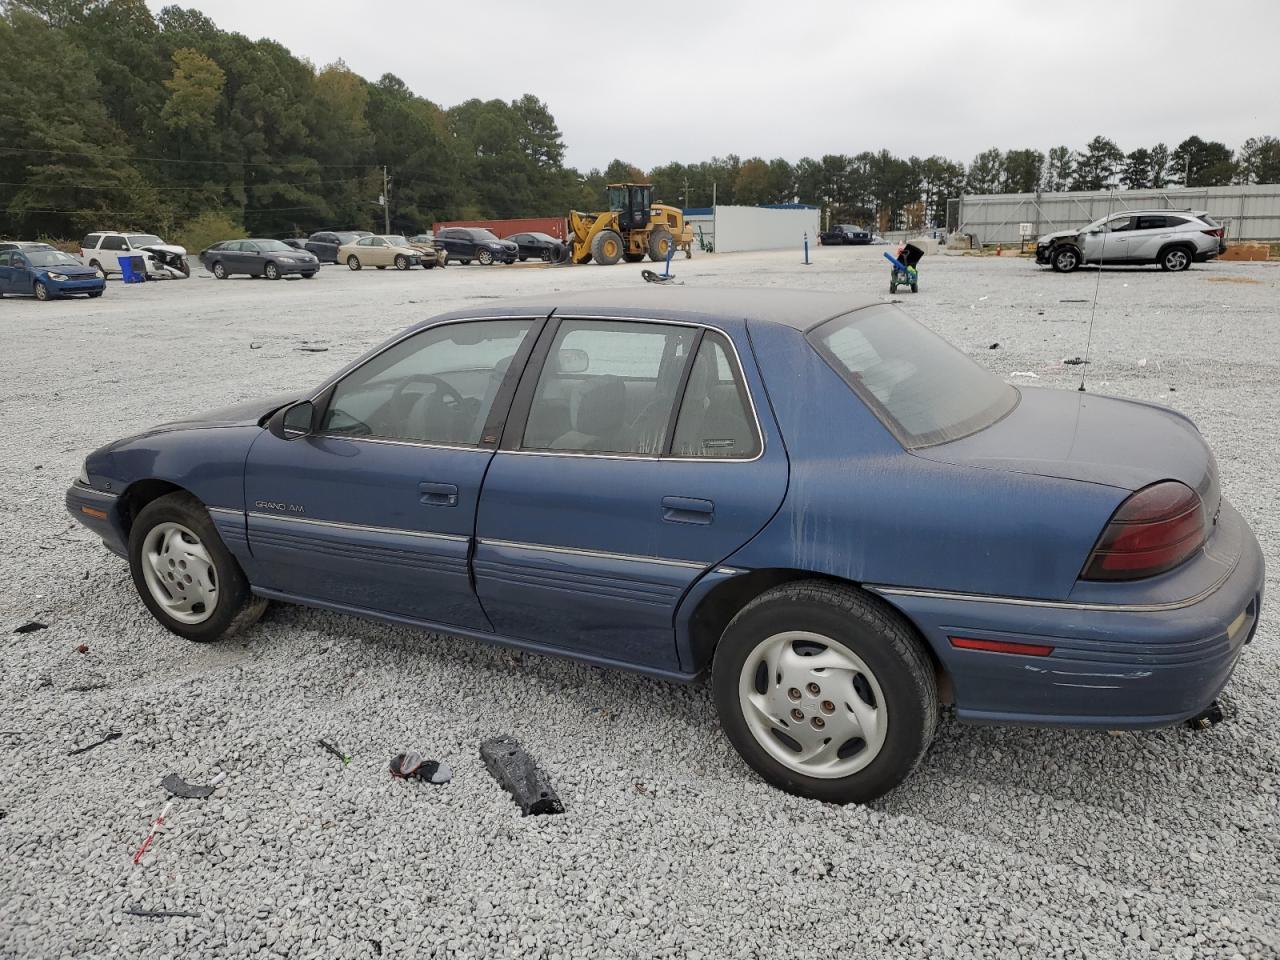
445, 394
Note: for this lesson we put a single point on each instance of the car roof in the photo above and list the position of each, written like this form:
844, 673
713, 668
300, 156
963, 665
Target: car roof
798, 309
26, 244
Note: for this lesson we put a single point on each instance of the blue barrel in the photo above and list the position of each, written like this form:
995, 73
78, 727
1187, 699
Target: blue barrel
133, 269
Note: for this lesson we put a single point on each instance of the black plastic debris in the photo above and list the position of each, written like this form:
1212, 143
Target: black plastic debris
189, 791
1073, 301
1075, 361
412, 766
994, 346
335, 751
520, 776
113, 735
1211, 716
137, 911
313, 349
31, 626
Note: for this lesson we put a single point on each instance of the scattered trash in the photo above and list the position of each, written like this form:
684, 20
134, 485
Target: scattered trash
86, 687
405, 766
1210, 716
335, 751
1074, 361
984, 298
188, 791
156, 824
1025, 373
83, 648
312, 349
113, 735
601, 713
255, 346
31, 627
651, 277
137, 911
1073, 301
641, 789
1173, 389
1232, 280
520, 776
1142, 362
994, 346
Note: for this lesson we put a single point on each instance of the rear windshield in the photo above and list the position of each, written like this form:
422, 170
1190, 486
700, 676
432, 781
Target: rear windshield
924, 389
1209, 220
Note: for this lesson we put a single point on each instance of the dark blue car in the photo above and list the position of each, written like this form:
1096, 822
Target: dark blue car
44, 272
840, 516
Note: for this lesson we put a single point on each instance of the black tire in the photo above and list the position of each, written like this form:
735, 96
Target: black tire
915, 288
353, 262
402, 262
235, 609
41, 291
308, 275
607, 247
660, 244
220, 271
1176, 259
633, 257
523, 259
184, 267
484, 256
1064, 259
465, 263
893, 287
271, 271
874, 633
378, 266
94, 294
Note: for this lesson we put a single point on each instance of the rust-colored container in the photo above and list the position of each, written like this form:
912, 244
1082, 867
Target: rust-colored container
551, 226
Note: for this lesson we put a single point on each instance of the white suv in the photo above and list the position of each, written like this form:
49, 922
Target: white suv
1172, 238
103, 250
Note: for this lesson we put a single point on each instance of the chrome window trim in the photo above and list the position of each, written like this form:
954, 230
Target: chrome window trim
737, 360
601, 554
360, 527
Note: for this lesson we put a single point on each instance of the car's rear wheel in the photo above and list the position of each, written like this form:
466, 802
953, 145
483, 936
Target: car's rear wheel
825, 692
485, 257
465, 262
220, 271
272, 271
1175, 259
184, 573
1065, 259
308, 275
41, 291
353, 262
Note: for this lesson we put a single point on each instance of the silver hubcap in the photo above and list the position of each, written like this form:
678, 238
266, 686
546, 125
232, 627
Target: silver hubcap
813, 704
1177, 260
179, 573
1067, 260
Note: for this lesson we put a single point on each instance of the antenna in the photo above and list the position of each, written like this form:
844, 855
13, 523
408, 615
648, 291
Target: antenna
1093, 311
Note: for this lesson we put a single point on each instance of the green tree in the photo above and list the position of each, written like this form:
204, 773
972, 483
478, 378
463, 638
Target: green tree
1202, 163
195, 92
1159, 166
1058, 169
751, 186
1259, 160
987, 172
1136, 173
1097, 165
1023, 170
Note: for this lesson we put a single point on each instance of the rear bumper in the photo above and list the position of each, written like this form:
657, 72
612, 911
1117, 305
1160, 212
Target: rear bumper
100, 512
1112, 665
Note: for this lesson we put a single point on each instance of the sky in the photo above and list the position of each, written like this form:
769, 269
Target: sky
687, 81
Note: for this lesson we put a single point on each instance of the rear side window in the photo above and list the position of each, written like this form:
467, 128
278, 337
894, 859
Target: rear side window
1154, 223
90, 242
113, 243
922, 388
715, 419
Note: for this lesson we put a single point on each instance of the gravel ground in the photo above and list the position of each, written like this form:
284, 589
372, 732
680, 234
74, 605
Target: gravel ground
1005, 843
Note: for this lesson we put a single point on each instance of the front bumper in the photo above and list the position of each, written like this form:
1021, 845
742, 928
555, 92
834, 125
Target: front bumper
100, 512
66, 288
296, 267
1042, 255
1113, 665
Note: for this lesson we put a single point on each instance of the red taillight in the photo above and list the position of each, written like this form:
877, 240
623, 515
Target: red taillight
1001, 646
1219, 233
1151, 532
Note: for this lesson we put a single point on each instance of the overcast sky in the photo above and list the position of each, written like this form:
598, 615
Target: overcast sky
652, 83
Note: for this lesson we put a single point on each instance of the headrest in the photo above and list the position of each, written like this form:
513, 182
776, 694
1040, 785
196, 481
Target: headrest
602, 407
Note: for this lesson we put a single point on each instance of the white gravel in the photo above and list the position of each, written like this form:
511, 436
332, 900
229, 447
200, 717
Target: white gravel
1006, 843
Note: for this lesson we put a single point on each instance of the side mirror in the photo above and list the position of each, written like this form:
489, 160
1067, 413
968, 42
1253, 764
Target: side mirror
571, 360
292, 422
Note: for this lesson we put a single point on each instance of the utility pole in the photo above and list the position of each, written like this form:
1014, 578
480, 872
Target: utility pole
686, 193
386, 200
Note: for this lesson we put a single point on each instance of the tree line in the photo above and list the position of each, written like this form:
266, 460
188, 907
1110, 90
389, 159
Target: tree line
118, 118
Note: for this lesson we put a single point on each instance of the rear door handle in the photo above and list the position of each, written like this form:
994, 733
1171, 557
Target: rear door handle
438, 494
687, 510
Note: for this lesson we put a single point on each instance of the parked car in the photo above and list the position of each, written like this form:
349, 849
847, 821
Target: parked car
465, 244
843, 234
424, 239
1172, 238
841, 517
44, 272
103, 249
539, 246
325, 244
272, 259
298, 243
389, 250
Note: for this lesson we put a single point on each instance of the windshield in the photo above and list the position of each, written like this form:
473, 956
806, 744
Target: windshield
272, 246
144, 240
924, 389
543, 237
484, 235
52, 258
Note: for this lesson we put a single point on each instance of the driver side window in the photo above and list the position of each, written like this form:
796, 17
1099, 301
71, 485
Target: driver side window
1119, 224
437, 386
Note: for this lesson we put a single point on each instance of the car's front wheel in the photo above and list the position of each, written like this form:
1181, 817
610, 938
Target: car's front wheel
1175, 259
185, 575
825, 692
402, 262
42, 291
1065, 259
220, 271
272, 271
484, 256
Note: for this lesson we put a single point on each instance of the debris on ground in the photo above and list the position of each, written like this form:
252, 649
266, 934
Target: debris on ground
1073, 301
994, 346
189, 791
83, 648
1074, 361
1025, 373
137, 911
86, 687
520, 776
335, 751
255, 346
406, 766
156, 824
113, 735
31, 626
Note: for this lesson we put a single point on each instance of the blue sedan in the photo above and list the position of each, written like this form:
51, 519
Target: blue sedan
838, 515
44, 272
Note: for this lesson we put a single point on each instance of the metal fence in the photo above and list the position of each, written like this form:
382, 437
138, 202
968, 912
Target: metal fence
1249, 212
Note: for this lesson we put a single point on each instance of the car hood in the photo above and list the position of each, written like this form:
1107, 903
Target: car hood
67, 270
1057, 235
243, 414
1094, 439
166, 248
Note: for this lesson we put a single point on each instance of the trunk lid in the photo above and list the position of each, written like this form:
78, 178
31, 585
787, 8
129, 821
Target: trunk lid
1094, 439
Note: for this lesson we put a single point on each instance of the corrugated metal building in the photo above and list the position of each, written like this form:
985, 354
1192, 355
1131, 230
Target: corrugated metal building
1249, 212
733, 229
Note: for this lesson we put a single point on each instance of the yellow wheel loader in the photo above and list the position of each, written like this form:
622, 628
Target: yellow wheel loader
633, 227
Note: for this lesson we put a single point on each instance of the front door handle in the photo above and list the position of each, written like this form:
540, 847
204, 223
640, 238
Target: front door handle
438, 494
687, 510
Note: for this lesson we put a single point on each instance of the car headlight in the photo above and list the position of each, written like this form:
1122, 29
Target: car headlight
285, 259
84, 472
59, 277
